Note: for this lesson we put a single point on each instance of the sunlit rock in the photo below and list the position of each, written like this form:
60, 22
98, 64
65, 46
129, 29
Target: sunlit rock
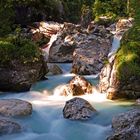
126, 126
138, 101
77, 86
8, 127
54, 69
15, 107
124, 24
78, 109
90, 55
82, 83
63, 47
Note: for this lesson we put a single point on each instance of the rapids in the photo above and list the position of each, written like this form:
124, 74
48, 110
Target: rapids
47, 122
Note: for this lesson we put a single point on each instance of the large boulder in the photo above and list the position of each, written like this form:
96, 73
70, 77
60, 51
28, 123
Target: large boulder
78, 109
18, 76
63, 47
126, 126
15, 107
74, 39
8, 127
90, 55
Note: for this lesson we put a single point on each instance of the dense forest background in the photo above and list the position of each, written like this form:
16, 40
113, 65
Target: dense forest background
23, 12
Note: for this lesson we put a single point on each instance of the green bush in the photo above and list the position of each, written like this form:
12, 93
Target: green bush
128, 56
13, 48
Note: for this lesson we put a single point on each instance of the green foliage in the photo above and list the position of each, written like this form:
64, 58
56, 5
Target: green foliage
6, 18
128, 59
109, 8
16, 47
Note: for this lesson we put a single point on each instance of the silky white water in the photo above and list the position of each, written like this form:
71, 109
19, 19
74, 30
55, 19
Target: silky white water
47, 122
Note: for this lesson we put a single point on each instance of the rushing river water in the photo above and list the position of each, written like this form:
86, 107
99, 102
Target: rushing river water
47, 122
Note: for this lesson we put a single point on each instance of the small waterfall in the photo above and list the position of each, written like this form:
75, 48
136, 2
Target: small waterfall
115, 45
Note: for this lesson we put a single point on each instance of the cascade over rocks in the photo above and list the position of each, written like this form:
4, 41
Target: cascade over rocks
82, 82
109, 81
63, 47
8, 127
78, 109
15, 107
77, 86
126, 126
18, 76
68, 42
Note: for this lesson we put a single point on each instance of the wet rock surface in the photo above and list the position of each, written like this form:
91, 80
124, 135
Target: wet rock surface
9, 127
77, 86
78, 109
126, 126
109, 82
15, 107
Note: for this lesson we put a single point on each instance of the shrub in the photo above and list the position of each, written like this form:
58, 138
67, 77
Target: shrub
22, 49
128, 56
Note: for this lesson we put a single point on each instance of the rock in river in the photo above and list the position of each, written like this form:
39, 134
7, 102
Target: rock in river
15, 107
18, 76
8, 127
77, 86
126, 126
78, 109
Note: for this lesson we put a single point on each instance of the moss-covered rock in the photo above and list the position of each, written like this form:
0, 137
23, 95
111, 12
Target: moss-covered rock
128, 56
121, 77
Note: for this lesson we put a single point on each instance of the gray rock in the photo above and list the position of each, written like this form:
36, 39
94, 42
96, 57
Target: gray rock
54, 69
9, 127
89, 56
78, 109
126, 126
18, 76
15, 107
61, 50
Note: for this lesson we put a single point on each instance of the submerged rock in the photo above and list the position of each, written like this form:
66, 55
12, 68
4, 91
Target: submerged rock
17, 76
78, 109
8, 127
126, 126
15, 107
